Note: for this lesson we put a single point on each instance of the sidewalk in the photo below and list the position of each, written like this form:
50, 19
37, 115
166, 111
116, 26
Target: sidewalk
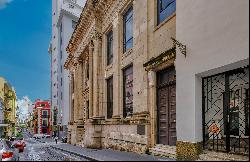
107, 154
47, 140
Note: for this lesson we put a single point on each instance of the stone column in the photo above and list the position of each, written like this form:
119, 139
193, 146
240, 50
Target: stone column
74, 97
152, 105
71, 96
96, 73
91, 48
80, 89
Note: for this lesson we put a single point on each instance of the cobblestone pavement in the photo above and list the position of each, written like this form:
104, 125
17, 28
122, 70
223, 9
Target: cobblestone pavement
36, 151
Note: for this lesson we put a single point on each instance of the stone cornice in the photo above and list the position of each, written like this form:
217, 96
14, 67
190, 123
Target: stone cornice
90, 22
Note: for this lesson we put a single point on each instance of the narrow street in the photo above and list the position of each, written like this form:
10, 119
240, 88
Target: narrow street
38, 151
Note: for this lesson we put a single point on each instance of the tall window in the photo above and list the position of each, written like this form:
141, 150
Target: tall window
110, 47
87, 70
165, 9
110, 98
45, 122
44, 114
128, 30
128, 91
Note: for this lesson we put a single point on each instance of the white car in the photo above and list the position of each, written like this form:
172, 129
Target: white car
38, 136
46, 136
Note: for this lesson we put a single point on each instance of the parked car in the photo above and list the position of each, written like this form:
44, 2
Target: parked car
38, 136
7, 151
46, 136
20, 144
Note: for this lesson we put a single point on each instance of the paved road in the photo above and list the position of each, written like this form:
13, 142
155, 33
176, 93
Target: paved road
37, 151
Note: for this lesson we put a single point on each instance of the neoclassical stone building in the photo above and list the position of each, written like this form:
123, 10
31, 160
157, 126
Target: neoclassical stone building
123, 64
121, 61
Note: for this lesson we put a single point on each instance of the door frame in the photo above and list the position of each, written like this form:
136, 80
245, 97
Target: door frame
169, 68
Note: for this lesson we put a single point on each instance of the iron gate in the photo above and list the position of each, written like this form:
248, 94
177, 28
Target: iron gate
226, 111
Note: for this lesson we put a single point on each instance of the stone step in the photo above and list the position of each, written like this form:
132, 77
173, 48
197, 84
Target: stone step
163, 150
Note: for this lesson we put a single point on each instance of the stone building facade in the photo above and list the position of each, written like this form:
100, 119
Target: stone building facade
134, 70
123, 59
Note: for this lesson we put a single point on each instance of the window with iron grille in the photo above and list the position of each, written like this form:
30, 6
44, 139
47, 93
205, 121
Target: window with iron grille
128, 29
110, 47
110, 98
165, 9
128, 91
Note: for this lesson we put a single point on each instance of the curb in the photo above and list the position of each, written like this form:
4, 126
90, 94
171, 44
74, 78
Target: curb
77, 154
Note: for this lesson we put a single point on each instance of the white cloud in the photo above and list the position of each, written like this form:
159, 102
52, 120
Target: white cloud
24, 105
4, 3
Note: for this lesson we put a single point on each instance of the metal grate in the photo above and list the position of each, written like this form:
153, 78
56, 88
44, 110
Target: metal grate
225, 111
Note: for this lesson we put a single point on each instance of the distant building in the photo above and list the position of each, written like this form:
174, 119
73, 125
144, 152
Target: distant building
65, 15
1, 117
41, 117
7, 109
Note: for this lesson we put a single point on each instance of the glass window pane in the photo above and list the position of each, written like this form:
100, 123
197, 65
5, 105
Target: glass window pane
129, 44
128, 92
109, 98
128, 14
166, 8
128, 29
109, 47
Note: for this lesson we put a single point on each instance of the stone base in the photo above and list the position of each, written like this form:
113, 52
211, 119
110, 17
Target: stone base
92, 138
188, 150
163, 151
126, 146
220, 156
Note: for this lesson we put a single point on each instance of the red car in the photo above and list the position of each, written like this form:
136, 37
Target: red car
20, 144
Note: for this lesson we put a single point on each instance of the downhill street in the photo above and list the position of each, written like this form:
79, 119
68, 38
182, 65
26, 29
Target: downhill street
38, 151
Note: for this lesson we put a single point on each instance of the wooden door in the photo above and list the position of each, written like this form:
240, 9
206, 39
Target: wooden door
166, 107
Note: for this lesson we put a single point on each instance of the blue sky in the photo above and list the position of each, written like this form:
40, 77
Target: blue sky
25, 31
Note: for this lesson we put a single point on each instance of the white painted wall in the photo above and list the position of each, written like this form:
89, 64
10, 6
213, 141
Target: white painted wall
216, 34
64, 14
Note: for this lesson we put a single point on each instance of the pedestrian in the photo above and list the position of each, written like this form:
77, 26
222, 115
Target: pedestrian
56, 138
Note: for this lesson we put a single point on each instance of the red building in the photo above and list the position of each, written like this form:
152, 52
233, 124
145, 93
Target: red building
42, 117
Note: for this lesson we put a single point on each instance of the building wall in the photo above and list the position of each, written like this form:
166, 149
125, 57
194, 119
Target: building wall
150, 40
216, 36
63, 17
215, 43
8, 103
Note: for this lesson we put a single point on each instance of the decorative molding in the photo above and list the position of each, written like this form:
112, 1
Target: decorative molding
162, 58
